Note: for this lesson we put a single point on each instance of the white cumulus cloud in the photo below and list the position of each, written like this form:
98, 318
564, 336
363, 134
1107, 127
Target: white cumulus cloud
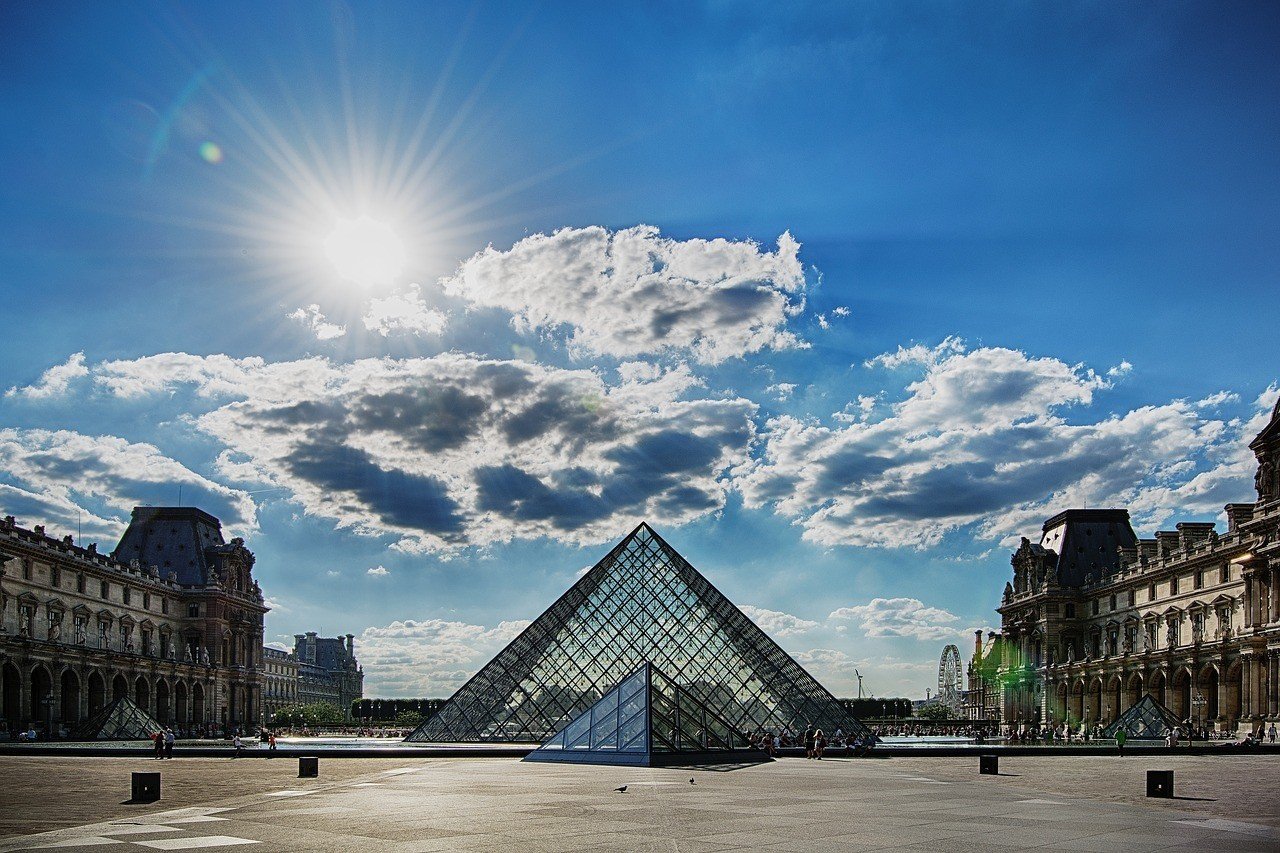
635, 292
54, 381
404, 313
310, 316
900, 617
776, 623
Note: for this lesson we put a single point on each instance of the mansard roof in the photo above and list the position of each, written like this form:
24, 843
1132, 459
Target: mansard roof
175, 539
1088, 542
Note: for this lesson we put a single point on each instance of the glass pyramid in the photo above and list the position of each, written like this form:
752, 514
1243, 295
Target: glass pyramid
647, 720
120, 720
1146, 720
642, 603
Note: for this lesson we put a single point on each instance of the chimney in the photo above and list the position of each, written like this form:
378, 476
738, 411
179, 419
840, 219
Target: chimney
351, 645
977, 643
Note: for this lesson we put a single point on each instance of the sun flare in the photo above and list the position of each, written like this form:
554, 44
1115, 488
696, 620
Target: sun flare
365, 251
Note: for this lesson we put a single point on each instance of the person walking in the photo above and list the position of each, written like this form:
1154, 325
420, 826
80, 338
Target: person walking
271, 741
1271, 733
1121, 737
238, 744
157, 740
819, 744
169, 738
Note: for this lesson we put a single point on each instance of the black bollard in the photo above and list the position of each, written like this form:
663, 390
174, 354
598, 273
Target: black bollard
989, 765
146, 788
1160, 783
308, 767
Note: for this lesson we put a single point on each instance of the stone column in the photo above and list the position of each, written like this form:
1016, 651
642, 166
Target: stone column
84, 674
1247, 681
1273, 683
24, 693
1246, 602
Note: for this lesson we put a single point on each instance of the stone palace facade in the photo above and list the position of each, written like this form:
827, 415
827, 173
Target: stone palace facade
1095, 617
171, 618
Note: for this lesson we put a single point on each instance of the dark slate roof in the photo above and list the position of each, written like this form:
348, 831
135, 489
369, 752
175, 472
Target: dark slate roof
1088, 542
173, 539
331, 653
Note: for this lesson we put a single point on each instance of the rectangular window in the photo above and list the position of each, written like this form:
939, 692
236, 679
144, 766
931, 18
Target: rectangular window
104, 590
1113, 602
80, 584
1199, 579
146, 601
55, 576
82, 630
127, 593
1224, 574
1173, 585
1151, 592
1070, 611
164, 645
26, 613
193, 610
26, 570
1095, 607
164, 604
1133, 597
103, 642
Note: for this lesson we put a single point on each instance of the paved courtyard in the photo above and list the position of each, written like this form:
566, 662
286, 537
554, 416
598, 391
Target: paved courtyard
929, 804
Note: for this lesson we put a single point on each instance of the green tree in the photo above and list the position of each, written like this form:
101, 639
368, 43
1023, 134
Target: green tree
408, 720
935, 711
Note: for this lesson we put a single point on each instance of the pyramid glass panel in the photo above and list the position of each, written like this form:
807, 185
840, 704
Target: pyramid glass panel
642, 603
121, 720
1146, 720
666, 726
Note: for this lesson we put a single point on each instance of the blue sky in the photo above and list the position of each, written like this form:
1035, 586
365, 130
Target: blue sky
433, 305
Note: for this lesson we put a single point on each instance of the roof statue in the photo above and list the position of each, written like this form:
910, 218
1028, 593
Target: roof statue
642, 604
648, 720
120, 720
1146, 720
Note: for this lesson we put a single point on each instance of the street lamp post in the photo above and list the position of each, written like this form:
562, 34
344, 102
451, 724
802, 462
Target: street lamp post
47, 701
1198, 702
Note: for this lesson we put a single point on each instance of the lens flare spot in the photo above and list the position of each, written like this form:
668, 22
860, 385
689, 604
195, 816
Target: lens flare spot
211, 152
365, 251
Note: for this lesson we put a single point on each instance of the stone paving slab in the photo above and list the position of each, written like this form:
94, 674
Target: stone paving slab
500, 805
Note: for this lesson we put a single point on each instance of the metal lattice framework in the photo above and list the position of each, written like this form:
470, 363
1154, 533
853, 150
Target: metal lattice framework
648, 719
643, 603
950, 684
1146, 720
121, 720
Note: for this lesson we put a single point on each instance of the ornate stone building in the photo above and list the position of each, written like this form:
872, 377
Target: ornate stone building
172, 618
279, 681
328, 670
1096, 617
982, 696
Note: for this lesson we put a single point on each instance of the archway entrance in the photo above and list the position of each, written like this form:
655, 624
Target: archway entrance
97, 692
1076, 713
1181, 704
142, 694
119, 687
1206, 704
1156, 687
180, 703
1115, 699
162, 702
41, 696
1134, 690
197, 703
70, 710
1235, 685
1095, 702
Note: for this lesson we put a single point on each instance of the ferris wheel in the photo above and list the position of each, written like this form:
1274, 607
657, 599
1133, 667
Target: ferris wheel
949, 678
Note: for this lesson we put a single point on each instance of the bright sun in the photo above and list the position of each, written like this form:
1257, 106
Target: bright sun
365, 251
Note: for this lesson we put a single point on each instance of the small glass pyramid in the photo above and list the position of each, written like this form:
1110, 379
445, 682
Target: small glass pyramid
1146, 720
651, 721
642, 603
121, 720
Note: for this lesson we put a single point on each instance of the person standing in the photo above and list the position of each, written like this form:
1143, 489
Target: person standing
271, 741
808, 741
157, 740
238, 744
1121, 737
1271, 733
169, 738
